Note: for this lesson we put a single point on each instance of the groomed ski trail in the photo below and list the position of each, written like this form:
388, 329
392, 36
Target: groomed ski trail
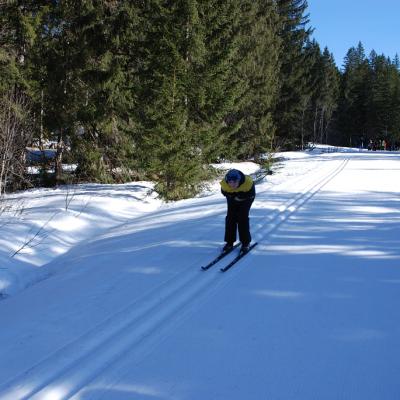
135, 329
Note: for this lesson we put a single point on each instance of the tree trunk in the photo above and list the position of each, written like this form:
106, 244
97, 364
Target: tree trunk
59, 156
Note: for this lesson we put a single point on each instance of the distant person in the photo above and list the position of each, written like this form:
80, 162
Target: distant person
240, 192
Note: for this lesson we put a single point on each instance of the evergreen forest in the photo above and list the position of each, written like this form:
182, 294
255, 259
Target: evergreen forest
160, 90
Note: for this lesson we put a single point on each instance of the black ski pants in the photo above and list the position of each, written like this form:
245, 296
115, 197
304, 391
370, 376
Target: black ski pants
237, 218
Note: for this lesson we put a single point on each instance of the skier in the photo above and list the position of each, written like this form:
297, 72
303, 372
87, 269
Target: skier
240, 192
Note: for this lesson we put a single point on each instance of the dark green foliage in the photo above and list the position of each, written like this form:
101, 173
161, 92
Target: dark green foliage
160, 89
354, 96
19, 24
383, 97
293, 72
189, 90
369, 102
89, 82
259, 70
216, 88
167, 142
321, 95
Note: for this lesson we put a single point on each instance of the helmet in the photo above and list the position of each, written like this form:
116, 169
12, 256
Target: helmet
233, 175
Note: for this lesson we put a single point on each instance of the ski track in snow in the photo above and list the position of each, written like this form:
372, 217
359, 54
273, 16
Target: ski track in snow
139, 326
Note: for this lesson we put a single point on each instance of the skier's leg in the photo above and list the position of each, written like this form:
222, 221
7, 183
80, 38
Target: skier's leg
230, 224
244, 222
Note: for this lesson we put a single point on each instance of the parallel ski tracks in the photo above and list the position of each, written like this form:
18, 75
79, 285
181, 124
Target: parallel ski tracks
283, 212
133, 330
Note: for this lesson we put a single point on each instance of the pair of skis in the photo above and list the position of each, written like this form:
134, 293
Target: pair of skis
225, 253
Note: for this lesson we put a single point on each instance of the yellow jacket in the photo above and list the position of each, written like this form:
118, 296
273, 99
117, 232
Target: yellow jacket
245, 190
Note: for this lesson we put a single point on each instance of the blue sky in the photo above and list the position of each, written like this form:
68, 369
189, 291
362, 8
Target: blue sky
341, 24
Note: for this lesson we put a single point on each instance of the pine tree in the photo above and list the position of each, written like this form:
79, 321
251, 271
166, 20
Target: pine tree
294, 34
395, 104
216, 88
8, 50
310, 95
260, 72
168, 142
87, 92
354, 98
324, 87
380, 102
19, 23
189, 90
329, 94
109, 77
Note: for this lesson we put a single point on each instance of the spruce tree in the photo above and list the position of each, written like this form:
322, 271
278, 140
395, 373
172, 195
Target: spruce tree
395, 104
294, 34
384, 100
329, 94
216, 87
355, 94
87, 95
323, 83
259, 70
309, 100
380, 102
19, 22
189, 90
109, 81
168, 141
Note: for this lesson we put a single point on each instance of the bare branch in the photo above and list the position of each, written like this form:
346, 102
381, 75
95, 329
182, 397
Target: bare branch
15, 133
10, 211
36, 238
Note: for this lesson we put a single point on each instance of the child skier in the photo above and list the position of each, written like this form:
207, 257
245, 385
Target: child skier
240, 192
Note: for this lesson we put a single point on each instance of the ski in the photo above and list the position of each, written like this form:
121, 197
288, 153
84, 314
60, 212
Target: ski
237, 258
218, 258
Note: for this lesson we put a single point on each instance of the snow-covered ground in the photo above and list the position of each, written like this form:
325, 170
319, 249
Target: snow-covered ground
105, 299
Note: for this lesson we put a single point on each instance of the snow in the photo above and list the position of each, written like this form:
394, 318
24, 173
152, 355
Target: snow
108, 300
